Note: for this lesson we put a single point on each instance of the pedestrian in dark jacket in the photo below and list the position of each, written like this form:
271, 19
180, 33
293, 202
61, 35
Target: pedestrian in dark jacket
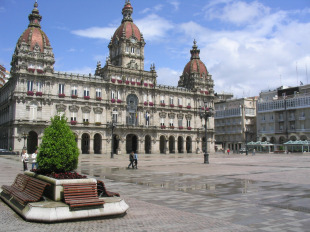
131, 160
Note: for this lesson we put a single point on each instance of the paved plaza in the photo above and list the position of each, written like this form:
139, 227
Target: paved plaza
264, 192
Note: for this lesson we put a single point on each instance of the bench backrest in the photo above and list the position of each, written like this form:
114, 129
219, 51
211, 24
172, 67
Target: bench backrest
35, 187
80, 191
20, 182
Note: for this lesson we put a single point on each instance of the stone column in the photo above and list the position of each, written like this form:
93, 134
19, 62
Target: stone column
91, 146
79, 144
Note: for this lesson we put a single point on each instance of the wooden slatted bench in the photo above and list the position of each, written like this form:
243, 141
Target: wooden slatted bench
19, 184
103, 192
26, 189
82, 195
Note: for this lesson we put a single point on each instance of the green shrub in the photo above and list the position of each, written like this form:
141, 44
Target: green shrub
58, 151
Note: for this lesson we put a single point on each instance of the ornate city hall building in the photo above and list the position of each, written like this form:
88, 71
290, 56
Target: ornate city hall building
121, 108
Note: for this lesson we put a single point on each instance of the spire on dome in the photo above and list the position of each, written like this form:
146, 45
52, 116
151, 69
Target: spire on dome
35, 18
195, 52
127, 11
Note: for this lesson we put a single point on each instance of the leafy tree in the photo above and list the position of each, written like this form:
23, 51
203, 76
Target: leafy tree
58, 151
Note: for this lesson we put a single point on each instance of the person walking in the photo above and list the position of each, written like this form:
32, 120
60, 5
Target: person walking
228, 151
25, 159
131, 160
135, 158
34, 159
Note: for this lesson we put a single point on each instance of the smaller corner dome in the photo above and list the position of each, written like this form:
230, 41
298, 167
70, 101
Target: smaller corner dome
34, 36
195, 65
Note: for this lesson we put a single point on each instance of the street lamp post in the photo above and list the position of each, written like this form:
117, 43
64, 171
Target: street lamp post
205, 114
24, 135
246, 132
112, 126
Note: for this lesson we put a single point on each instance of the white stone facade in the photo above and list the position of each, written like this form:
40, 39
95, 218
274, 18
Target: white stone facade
147, 117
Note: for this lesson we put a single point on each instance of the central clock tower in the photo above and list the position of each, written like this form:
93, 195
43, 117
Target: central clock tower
126, 47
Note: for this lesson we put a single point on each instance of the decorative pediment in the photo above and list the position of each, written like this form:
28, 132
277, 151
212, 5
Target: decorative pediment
188, 117
171, 115
74, 108
98, 110
61, 107
162, 115
180, 116
86, 109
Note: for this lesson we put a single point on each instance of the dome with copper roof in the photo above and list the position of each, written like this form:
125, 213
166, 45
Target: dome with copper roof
33, 35
33, 41
127, 29
195, 74
195, 65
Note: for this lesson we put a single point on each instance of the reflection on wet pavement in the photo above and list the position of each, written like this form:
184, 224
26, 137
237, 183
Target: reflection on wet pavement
227, 196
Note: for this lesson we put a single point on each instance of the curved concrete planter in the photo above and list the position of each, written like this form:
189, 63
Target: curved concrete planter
53, 209
55, 191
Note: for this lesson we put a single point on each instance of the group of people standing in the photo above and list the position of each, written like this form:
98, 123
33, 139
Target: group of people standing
26, 157
133, 159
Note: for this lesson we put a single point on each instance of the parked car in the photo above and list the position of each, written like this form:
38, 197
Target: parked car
7, 152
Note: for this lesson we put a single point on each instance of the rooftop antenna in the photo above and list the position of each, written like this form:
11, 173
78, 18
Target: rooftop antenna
296, 73
307, 73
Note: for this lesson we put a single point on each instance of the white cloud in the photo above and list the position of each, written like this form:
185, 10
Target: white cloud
154, 27
259, 55
167, 76
236, 12
175, 4
96, 32
156, 8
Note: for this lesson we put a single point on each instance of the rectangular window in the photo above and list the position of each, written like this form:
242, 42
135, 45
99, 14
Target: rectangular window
138, 51
30, 86
112, 94
86, 117
180, 122
188, 101
150, 98
147, 119
61, 89
39, 86
114, 117
171, 122
119, 95
86, 92
162, 121
132, 50
145, 97
188, 123
179, 101
98, 92
74, 91
127, 49
162, 99
171, 100
73, 116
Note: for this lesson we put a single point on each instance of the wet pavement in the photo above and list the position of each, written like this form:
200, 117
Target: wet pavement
265, 192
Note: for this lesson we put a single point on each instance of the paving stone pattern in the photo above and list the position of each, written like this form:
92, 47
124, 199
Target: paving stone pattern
265, 192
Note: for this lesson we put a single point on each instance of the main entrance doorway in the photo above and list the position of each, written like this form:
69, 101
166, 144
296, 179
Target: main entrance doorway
131, 143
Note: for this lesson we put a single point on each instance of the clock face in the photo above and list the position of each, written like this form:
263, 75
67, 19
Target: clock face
133, 40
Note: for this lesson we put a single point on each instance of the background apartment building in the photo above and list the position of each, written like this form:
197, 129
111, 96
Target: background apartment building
235, 123
283, 114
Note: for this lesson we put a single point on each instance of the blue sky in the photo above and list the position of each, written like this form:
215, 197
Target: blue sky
247, 46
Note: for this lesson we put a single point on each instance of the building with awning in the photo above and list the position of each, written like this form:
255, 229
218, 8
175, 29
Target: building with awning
260, 146
297, 145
